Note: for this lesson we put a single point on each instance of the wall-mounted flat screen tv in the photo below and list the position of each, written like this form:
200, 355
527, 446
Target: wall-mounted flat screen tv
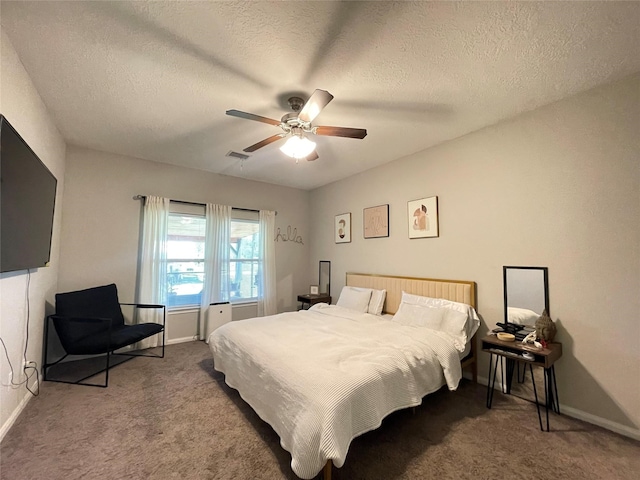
27, 202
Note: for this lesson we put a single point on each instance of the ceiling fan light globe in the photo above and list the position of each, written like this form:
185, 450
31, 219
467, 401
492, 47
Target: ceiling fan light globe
298, 147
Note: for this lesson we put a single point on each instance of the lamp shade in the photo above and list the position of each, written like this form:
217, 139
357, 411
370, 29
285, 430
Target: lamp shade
298, 147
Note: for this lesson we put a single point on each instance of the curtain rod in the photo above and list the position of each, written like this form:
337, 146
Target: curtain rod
184, 202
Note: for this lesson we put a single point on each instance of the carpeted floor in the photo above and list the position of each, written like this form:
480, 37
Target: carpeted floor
176, 418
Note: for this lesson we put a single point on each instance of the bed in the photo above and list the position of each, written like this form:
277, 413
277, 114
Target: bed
323, 376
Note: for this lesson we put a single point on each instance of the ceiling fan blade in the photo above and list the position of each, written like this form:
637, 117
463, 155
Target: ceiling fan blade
264, 142
318, 100
251, 116
312, 156
341, 132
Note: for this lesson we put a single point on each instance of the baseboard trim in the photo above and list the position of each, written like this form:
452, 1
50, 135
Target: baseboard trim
615, 427
601, 422
173, 341
16, 413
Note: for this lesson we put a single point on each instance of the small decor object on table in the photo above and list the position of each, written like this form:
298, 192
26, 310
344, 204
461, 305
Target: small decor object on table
313, 290
545, 328
506, 337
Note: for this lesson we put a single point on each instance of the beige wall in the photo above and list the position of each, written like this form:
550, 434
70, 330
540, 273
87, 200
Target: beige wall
101, 223
22, 106
556, 187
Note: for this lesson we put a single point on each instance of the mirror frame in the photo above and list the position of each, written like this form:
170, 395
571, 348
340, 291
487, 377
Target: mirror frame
327, 264
545, 272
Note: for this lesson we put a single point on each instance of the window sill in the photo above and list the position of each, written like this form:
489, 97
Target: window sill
196, 308
183, 309
243, 303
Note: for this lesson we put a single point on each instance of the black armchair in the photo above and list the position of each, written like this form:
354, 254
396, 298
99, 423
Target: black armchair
90, 323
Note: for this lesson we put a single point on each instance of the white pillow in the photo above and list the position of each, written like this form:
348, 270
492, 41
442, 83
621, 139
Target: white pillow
355, 298
441, 319
522, 316
472, 322
377, 301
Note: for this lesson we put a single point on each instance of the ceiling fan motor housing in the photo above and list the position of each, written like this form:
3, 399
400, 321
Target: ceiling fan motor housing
296, 103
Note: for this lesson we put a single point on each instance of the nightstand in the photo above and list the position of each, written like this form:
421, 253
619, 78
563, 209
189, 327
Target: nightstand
309, 299
512, 352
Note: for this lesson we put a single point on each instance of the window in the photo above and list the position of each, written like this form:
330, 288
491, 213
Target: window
245, 261
185, 258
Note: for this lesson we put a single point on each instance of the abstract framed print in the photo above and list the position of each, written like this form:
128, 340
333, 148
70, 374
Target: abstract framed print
343, 228
423, 217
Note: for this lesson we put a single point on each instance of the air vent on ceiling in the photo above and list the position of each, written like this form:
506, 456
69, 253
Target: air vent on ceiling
239, 155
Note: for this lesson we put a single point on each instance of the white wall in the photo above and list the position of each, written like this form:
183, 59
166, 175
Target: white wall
101, 225
22, 106
556, 187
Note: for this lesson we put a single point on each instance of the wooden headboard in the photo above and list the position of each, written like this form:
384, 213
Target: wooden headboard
455, 290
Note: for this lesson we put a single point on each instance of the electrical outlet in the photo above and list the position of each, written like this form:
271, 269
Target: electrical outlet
28, 364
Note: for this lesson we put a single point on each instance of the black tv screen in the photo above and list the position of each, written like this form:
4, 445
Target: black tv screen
27, 202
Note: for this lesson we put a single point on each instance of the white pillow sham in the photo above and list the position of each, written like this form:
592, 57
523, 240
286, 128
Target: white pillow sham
472, 322
377, 301
355, 298
441, 319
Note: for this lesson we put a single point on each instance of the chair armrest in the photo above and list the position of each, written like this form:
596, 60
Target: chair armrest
151, 305
144, 305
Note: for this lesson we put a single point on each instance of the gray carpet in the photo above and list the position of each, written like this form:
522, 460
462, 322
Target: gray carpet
176, 418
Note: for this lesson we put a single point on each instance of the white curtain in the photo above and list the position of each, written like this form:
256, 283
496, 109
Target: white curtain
217, 250
152, 286
267, 299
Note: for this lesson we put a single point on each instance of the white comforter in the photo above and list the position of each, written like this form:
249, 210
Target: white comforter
323, 376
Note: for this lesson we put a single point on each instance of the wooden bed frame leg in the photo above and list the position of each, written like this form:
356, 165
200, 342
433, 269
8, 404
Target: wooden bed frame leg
326, 471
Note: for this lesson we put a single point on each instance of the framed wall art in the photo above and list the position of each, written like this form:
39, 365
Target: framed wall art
376, 221
343, 228
423, 217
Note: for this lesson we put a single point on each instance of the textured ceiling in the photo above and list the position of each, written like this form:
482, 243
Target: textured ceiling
153, 79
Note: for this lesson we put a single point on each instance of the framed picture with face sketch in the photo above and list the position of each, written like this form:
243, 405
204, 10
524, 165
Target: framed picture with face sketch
343, 228
423, 217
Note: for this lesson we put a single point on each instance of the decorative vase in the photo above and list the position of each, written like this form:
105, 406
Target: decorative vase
545, 328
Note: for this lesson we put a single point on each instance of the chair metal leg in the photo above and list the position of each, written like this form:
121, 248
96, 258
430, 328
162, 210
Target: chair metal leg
46, 349
106, 375
164, 327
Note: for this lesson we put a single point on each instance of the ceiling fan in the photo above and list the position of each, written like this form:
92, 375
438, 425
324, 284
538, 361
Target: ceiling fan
297, 125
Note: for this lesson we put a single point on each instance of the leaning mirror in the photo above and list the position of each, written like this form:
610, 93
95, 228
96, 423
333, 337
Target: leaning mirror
526, 294
324, 277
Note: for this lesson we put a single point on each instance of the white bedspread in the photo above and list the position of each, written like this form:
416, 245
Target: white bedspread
323, 376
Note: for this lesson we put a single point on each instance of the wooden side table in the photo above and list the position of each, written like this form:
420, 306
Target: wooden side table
512, 352
309, 299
